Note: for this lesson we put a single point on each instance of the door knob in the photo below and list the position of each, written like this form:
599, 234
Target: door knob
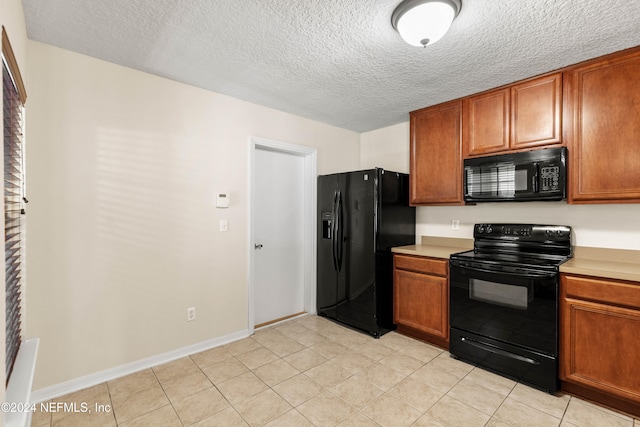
258, 246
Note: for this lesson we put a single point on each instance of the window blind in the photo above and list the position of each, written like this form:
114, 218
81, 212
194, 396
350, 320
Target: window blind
13, 110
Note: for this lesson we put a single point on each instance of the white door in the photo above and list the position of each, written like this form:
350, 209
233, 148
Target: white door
278, 209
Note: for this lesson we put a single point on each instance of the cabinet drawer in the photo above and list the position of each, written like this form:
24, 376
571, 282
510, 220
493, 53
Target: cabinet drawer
439, 267
604, 290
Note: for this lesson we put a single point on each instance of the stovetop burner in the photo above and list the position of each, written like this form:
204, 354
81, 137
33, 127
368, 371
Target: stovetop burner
529, 245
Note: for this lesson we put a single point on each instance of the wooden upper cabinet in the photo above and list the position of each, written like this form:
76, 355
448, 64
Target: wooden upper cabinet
521, 116
436, 155
536, 108
487, 121
604, 139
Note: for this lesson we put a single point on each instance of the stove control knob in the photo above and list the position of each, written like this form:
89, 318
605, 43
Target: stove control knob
480, 230
489, 229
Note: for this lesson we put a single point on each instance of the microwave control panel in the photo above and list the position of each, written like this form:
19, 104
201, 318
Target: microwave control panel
550, 178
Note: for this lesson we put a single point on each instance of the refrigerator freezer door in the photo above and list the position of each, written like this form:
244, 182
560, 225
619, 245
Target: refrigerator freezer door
331, 271
326, 282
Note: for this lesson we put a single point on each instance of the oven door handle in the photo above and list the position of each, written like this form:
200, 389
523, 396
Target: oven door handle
496, 350
527, 273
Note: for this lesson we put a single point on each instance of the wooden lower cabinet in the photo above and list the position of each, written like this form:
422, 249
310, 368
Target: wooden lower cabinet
421, 298
600, 340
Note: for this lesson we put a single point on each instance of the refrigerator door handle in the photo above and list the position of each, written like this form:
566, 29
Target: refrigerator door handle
334, 233
340, 233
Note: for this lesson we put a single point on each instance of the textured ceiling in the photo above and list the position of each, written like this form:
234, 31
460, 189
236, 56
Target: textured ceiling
336, 61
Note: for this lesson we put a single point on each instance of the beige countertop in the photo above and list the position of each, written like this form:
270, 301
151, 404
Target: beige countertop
436, 247
601, 262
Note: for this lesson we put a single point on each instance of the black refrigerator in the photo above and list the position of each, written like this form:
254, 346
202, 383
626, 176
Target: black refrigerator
361, 216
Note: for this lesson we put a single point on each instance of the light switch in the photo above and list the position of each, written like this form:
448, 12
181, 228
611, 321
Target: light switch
224, 225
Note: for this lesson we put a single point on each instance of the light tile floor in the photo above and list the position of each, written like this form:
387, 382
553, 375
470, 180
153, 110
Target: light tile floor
312, 372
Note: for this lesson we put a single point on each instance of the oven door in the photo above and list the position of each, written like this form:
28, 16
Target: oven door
516, 305
506, 322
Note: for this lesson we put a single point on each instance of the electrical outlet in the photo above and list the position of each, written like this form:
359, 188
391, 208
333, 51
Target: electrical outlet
224, 225
455, 224
191, 314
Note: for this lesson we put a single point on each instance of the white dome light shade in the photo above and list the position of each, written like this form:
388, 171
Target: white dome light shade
422, 23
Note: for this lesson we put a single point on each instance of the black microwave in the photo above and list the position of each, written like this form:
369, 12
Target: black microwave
525, 176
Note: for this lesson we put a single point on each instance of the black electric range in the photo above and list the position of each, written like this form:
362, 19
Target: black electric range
504, 300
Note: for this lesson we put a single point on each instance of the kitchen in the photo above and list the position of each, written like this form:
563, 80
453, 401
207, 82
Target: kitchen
470, 299
113, 119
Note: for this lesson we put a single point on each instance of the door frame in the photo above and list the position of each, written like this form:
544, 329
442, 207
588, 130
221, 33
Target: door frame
309, 212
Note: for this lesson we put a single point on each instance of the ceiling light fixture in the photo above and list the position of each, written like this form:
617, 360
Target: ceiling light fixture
424, 22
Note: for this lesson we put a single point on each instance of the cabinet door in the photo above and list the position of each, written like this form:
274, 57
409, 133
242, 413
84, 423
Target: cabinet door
599, 330
421, 302
604, 145
487, 122
536, 112
436, 157
600, 347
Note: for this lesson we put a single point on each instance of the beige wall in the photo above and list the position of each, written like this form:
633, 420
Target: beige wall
12, 18
607, 226
123, 168
387, 148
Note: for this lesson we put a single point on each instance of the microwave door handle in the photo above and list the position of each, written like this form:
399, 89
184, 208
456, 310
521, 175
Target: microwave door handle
534, 178
465, 180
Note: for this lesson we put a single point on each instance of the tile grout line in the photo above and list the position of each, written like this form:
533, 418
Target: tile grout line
220, 391
167, 396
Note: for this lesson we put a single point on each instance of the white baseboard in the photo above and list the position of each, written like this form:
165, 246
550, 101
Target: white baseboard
71, 386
